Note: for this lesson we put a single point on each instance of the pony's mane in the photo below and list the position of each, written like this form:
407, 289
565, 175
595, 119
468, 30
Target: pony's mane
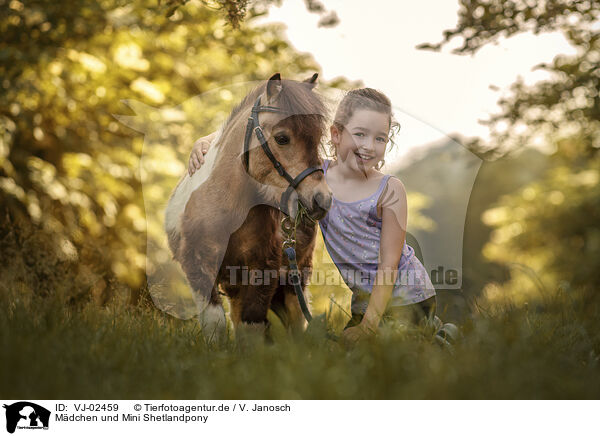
249, 99
307, 112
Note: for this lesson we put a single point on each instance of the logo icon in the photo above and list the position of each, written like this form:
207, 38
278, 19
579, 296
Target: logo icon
26, 415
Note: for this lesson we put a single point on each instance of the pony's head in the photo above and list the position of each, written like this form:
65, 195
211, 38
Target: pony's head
293, 130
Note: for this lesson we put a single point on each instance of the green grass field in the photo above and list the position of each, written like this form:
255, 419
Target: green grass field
51, 352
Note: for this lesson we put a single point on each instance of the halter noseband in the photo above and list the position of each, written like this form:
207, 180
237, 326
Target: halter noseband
254, 125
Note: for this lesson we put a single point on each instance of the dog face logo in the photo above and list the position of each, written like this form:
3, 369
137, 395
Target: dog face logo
26, 415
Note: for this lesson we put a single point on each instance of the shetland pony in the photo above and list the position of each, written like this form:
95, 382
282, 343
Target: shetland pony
223, 223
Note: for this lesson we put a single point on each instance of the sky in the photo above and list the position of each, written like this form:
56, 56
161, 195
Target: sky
434, 94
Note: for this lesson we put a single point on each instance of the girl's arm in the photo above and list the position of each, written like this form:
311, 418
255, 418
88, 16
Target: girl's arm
199, 149
393, 233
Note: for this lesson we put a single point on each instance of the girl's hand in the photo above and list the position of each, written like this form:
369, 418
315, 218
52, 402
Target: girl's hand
356, 333
197, 156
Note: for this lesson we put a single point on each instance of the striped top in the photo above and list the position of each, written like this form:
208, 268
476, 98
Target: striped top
352, 234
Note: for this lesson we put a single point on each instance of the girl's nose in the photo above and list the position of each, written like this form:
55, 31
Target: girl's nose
368, 144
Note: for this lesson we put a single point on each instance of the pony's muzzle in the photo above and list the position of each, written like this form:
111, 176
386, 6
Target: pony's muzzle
320, 205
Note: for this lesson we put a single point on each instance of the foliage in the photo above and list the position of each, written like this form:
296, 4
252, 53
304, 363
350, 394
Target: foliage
546, 232
68, 168
550, 227
483, 21
235, 11
567, 104
496, 179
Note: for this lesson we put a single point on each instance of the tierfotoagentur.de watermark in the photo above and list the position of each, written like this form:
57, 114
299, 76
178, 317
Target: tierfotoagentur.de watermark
242, 275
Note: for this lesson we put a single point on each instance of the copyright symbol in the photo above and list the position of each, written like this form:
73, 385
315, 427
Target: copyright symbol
137, 407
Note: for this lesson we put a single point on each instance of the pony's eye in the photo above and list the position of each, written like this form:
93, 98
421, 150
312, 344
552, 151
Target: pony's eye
282, 139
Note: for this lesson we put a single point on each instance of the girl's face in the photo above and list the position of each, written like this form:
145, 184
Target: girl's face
361, 144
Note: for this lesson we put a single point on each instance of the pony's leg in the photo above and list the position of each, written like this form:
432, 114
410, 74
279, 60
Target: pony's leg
286, 306
297, 323
245, 314
245, 332
236, 310
255, 305
201, 266
250, 323
212, 319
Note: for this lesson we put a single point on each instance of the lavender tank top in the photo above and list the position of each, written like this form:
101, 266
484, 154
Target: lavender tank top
352, 232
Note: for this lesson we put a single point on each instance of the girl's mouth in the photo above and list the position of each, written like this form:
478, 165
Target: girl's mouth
364, 157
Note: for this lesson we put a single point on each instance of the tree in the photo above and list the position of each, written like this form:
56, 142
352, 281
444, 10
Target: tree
551, 225
569, 103
235, 11
71, 209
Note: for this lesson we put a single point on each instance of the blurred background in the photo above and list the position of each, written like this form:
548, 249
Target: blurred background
498, 102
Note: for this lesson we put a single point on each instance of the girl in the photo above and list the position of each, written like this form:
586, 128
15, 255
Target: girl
365, 228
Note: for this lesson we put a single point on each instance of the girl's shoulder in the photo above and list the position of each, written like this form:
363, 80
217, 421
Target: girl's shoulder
392, 192
393, 182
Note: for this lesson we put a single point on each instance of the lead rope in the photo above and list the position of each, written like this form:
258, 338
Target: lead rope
289, 230
289, 244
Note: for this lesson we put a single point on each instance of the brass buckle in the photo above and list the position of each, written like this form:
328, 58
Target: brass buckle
287, 227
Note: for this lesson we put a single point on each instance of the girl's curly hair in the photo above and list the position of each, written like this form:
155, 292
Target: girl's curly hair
363, 98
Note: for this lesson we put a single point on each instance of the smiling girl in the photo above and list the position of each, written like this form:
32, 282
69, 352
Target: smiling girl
365, 228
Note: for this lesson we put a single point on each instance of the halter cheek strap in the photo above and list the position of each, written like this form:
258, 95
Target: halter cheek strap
254, 125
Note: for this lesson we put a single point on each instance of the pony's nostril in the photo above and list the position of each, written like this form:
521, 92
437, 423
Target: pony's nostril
317, 199
320, 202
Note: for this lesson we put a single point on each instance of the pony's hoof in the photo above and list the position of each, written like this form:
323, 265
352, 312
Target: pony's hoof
213, 324
444, 343
449, 332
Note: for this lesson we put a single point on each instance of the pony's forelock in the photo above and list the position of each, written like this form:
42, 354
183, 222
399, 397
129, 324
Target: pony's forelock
306, 113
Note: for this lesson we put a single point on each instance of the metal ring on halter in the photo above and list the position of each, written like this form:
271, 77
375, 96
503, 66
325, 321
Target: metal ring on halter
288, 244
287, 225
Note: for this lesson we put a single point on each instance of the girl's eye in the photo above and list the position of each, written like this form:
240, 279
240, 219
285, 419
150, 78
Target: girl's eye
359, 134
282, 139
380, 139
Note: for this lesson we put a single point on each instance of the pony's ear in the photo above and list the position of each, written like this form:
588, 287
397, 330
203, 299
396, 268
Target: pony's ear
312, 81
274, 87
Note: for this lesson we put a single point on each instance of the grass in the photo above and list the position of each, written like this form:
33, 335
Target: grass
51, 351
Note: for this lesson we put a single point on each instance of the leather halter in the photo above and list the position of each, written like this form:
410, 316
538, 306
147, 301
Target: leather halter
254, 125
